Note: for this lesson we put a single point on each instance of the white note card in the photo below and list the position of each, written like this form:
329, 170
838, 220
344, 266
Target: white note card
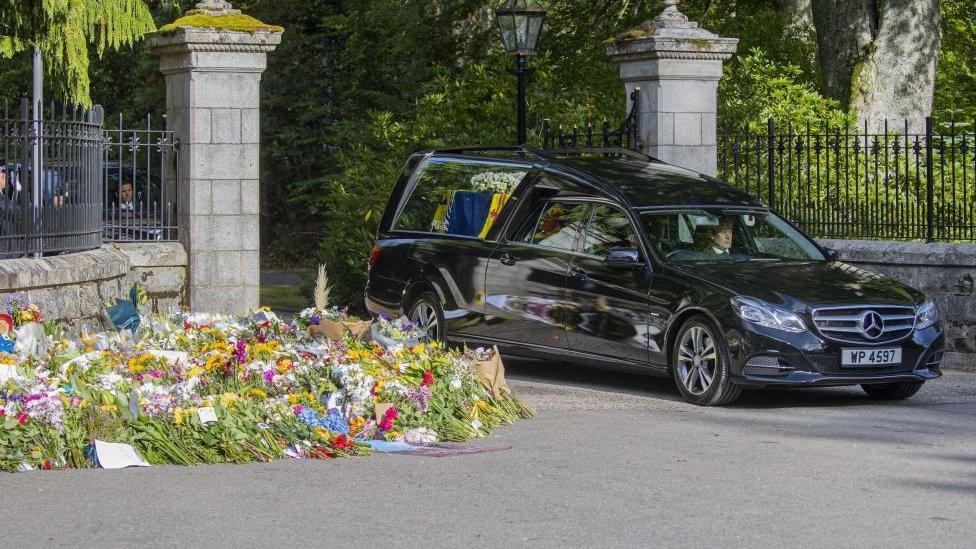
207, 415
116, 455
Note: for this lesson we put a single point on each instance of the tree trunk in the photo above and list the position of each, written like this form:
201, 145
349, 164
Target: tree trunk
799, 13
878, 57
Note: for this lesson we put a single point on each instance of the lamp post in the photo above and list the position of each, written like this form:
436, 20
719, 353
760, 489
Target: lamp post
520, 23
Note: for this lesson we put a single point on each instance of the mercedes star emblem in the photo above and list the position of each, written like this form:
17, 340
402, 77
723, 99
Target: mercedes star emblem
872, 325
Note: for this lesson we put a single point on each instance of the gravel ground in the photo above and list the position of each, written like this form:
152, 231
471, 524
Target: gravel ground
610, 459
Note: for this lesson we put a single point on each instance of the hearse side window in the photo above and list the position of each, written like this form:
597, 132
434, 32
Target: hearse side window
556, 226
457, 197
608, 228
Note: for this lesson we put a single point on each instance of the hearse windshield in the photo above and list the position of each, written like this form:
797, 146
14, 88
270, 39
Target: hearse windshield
713, 235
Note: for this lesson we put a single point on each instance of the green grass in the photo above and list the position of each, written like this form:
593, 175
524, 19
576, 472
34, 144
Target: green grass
283, 298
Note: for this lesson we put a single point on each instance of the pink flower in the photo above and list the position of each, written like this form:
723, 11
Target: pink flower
75, 401
389, 416
297, 409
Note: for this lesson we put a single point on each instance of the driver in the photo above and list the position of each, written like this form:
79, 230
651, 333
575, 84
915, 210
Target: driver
722, 238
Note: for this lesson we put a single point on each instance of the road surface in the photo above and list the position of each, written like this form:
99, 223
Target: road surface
610, 459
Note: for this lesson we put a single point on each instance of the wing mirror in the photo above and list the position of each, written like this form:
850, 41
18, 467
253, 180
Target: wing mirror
831, 254
623, 257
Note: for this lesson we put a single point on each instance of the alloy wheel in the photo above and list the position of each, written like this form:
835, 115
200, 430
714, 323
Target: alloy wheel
697, 360
425, 317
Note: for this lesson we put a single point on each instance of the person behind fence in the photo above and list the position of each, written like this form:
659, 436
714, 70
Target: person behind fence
126, 205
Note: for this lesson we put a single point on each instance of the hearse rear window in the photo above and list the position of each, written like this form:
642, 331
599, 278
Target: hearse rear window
457, 197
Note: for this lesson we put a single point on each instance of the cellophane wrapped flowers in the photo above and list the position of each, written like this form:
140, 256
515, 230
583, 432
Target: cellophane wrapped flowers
274, 390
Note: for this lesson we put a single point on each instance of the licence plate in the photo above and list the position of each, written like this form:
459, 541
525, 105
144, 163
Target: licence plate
870, 357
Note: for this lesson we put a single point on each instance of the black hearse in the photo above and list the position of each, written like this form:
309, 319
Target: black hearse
611, 258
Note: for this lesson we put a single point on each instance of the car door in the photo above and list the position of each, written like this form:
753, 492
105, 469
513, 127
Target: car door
609, 298
525, 287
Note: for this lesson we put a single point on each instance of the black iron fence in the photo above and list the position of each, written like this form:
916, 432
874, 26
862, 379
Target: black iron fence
140, 184
627, 135
67, 184
50, 181
861, 182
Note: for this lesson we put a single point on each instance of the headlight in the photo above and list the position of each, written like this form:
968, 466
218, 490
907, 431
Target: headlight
926, 315
764, 314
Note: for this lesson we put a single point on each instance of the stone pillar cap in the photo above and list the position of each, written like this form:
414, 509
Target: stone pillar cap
670, 35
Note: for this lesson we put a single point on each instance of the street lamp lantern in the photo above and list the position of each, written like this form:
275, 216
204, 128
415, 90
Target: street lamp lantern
520, 23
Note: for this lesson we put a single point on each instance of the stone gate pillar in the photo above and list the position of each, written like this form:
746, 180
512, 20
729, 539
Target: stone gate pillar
212, 59
677, 67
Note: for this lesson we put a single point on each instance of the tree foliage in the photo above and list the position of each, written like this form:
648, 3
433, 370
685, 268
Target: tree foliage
67, 31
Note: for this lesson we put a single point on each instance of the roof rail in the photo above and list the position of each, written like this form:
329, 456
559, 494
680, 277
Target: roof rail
599, 150
522, 150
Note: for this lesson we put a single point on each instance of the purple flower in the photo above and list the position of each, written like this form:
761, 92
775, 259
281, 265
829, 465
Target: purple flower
421, 397
268, 376
241, 351
315, 319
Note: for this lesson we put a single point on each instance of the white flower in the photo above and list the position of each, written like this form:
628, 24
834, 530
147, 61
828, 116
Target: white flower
396, 387
109, 381
420, 435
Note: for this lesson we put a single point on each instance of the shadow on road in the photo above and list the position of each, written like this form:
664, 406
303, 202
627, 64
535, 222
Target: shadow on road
663, 388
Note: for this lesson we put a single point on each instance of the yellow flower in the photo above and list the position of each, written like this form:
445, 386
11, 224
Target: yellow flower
284, 364
258, 393
214, 362
108, 408
178, 415
356, 424
227, 399
194, 372
323, 433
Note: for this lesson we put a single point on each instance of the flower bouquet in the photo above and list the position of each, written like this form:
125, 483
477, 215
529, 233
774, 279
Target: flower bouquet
399, 332
327, 322
201, 388
489, 368
496, 182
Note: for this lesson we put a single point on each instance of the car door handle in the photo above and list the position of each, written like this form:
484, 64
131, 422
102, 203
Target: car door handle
506, 259
578, 274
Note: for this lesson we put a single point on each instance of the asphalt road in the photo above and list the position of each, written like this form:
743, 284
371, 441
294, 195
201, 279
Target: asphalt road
610, 459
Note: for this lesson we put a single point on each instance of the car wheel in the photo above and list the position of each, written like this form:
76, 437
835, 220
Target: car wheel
892, 391
700, 364
426, 313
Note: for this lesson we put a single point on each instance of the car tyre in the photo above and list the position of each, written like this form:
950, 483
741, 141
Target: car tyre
892, 391
426, 312
707, 380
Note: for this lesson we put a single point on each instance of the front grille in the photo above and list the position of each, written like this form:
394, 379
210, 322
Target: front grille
845, 323
829, 363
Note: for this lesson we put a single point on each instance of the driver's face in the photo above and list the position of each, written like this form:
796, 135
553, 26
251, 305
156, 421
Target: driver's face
723, 238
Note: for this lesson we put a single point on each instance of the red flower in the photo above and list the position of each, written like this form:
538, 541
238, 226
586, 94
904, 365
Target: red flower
22, 418
3, 412
46, 464
341, 442
428, 378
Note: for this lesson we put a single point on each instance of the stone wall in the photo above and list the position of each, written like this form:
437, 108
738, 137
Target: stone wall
161, 269
72, 288
945, 272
